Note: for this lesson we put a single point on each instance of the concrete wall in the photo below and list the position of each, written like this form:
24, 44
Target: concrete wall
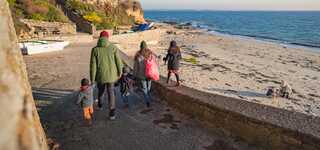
260, 125
264, 126
20, 126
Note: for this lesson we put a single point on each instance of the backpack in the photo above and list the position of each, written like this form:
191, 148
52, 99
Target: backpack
152, 70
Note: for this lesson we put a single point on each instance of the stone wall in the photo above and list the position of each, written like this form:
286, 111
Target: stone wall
264, 126
20, 126
39, 29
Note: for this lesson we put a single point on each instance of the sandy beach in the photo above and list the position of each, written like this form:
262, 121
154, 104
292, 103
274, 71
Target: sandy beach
232, 66
240, 67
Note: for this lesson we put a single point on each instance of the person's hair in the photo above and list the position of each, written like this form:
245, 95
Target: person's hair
174, 48
144, 51
84, 82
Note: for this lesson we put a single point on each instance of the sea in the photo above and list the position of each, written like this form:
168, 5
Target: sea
299, 28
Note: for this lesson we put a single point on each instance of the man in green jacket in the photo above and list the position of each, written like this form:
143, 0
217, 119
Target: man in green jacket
105, 70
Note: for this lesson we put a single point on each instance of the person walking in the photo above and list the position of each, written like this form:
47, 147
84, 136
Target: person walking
105, 69
139, 70
173, 58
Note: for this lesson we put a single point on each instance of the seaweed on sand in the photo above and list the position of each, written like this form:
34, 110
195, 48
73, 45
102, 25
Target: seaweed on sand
191, 60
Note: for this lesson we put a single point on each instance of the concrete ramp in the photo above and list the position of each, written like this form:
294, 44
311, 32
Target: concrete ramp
136, 128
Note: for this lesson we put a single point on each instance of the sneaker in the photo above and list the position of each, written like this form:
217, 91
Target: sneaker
112, 117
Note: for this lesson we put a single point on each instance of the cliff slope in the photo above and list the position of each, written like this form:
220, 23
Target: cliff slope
104, 14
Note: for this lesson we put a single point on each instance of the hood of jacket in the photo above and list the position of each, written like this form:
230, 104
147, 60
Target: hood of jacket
102, 42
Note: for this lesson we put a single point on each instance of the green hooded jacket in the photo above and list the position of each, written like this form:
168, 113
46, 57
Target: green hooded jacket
105, 63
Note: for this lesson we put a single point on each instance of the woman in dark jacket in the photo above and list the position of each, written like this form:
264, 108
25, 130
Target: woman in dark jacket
173, 58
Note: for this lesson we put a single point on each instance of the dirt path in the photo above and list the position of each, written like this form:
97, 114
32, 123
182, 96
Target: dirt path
55, 78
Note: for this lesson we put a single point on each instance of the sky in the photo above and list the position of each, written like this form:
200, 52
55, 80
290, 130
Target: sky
232, 4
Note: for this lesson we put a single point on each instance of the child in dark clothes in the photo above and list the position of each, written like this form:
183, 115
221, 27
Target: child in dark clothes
173, 58
126, 84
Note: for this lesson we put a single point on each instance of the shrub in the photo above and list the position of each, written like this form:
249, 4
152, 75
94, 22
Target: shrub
36, 16
93, 17
79, 7
41, 7
106, 18
42, 10
55, 14
11, 3
104, 25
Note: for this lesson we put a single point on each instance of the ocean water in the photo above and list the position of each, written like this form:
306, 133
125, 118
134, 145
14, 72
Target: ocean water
289, 27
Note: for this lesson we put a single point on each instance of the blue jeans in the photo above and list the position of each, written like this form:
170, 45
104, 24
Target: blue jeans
125, 98
146, 87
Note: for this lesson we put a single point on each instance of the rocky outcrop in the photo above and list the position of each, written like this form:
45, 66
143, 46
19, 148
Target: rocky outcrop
132, 7
20, 126
137, 14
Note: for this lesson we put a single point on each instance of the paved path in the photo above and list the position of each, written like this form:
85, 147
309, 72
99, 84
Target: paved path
54, 78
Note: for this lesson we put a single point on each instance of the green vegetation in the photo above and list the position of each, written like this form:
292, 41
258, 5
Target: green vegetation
43, 10
37, 9
191, 60
11, 2
103, 18
107, 17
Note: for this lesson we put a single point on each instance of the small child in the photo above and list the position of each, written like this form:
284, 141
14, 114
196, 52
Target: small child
126, 84
85, 100
173, 58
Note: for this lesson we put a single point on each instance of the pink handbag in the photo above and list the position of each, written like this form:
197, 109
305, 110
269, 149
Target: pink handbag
152, 70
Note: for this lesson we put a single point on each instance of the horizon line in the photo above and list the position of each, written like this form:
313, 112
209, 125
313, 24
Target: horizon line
288, 10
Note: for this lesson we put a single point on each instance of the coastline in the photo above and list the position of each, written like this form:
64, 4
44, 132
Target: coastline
314, 49
206, 29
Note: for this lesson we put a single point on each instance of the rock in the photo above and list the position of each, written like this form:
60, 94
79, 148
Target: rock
171, 32
20, 126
